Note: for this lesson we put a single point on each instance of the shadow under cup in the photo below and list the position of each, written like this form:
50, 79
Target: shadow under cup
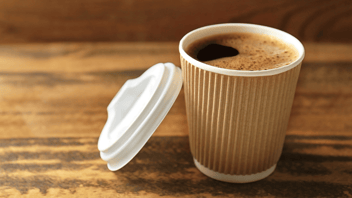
237, 119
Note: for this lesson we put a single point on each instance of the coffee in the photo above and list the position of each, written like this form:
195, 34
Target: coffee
237, 120
254, 51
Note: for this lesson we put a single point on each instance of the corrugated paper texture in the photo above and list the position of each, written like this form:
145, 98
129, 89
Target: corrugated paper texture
237, 125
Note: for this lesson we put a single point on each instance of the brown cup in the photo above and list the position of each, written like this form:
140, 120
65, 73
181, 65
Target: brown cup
237, 119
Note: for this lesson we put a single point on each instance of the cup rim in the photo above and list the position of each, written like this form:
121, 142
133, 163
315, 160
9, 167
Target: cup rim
241, 27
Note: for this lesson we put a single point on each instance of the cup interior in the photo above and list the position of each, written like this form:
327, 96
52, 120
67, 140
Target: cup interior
239, 27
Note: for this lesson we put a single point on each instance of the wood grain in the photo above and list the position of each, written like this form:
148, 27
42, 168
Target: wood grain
53, 100
157, 20
34, 167
59, 90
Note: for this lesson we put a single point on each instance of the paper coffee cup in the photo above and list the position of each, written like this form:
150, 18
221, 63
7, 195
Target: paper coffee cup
237, 119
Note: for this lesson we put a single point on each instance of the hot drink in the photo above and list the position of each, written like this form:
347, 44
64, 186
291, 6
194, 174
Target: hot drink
237, 118
243, 51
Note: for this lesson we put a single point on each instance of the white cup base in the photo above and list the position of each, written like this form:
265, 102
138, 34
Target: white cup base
234, 178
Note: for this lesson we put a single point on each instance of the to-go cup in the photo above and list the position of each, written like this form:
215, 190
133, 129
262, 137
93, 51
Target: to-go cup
237, 119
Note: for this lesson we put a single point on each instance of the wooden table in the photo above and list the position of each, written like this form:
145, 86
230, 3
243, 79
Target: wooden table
53, 100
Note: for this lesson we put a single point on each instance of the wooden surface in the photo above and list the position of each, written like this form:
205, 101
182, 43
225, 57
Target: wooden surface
159, 20
53, 100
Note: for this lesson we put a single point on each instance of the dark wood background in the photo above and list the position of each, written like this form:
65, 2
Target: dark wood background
62, 61
159, 20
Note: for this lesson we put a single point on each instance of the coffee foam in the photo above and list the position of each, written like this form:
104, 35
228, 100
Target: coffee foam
256, 51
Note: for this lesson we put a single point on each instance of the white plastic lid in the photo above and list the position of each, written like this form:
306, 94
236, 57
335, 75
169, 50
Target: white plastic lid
136, 112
